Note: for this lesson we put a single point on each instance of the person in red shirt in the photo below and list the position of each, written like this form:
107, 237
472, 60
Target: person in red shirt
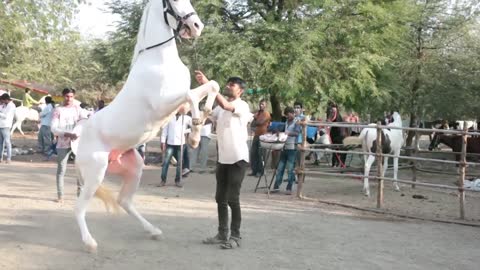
261, 121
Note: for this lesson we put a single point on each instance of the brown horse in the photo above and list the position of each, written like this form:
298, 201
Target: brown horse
455, 143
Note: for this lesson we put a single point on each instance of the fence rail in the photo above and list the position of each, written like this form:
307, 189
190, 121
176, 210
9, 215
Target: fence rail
302, 171
387, 155
424, 130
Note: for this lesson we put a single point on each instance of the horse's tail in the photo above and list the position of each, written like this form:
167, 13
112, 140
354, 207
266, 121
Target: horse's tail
356, 140
103, 194
108, 199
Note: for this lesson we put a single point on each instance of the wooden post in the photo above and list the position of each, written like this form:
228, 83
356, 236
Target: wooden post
301, 175
379, 166
415, 154
461, 180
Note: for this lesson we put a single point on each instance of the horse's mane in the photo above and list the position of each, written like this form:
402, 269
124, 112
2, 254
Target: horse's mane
140, 34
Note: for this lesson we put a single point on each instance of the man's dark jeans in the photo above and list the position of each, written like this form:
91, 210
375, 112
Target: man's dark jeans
174, 150
229, 181
257, 155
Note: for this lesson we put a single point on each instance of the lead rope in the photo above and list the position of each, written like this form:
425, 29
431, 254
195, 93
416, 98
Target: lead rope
181, 150
195, 55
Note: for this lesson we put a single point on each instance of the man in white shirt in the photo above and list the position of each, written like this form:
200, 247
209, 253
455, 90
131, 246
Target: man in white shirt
7, 111
172, 140
232, 117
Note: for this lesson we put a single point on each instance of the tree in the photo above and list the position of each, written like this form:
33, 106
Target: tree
37, 39
434, 25
115, 53
317, 49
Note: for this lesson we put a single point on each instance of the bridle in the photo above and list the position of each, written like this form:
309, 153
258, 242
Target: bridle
177, 21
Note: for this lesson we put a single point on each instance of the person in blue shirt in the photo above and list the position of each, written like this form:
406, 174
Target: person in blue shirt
45, 135
289, 152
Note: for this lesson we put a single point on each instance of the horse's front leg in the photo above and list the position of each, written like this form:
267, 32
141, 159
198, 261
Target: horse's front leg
395, 171
209, 89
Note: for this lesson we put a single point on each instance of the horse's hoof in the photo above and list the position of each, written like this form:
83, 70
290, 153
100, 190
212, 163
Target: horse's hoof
157, 236
92, 249
206, 112
196, 121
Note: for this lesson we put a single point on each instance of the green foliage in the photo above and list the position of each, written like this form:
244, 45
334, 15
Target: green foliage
36, 39
421, 57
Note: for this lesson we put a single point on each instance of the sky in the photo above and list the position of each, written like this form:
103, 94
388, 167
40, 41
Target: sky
92, 21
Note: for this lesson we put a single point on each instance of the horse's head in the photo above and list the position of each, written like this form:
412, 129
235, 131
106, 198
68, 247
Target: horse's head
396, 119
332, 113
187, 22
439, 137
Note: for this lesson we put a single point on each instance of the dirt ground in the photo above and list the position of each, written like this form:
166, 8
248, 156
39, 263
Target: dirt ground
279, 232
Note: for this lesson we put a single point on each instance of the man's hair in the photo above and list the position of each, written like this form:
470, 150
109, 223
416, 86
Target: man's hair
5, 96
288, 110
237, 80
262, 100
298, 103
68, 90
49, 100
27, 90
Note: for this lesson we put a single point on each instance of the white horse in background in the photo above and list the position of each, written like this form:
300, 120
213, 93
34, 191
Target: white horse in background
392, 141
21, 114
469, 124
157, 85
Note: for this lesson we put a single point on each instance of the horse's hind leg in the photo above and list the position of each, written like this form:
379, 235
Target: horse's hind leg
130, 168
17, 125
91, 167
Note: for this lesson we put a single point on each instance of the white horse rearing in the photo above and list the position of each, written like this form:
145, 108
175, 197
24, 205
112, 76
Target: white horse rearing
157, 85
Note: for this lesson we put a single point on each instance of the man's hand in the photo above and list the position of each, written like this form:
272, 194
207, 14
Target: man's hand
72, 136
164, 147
200, 77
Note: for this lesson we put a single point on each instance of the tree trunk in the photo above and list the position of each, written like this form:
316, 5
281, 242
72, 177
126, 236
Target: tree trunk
414, 94
414, 108
276, 107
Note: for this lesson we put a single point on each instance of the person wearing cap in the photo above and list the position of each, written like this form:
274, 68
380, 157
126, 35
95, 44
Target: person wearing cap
7, 111
232, 117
